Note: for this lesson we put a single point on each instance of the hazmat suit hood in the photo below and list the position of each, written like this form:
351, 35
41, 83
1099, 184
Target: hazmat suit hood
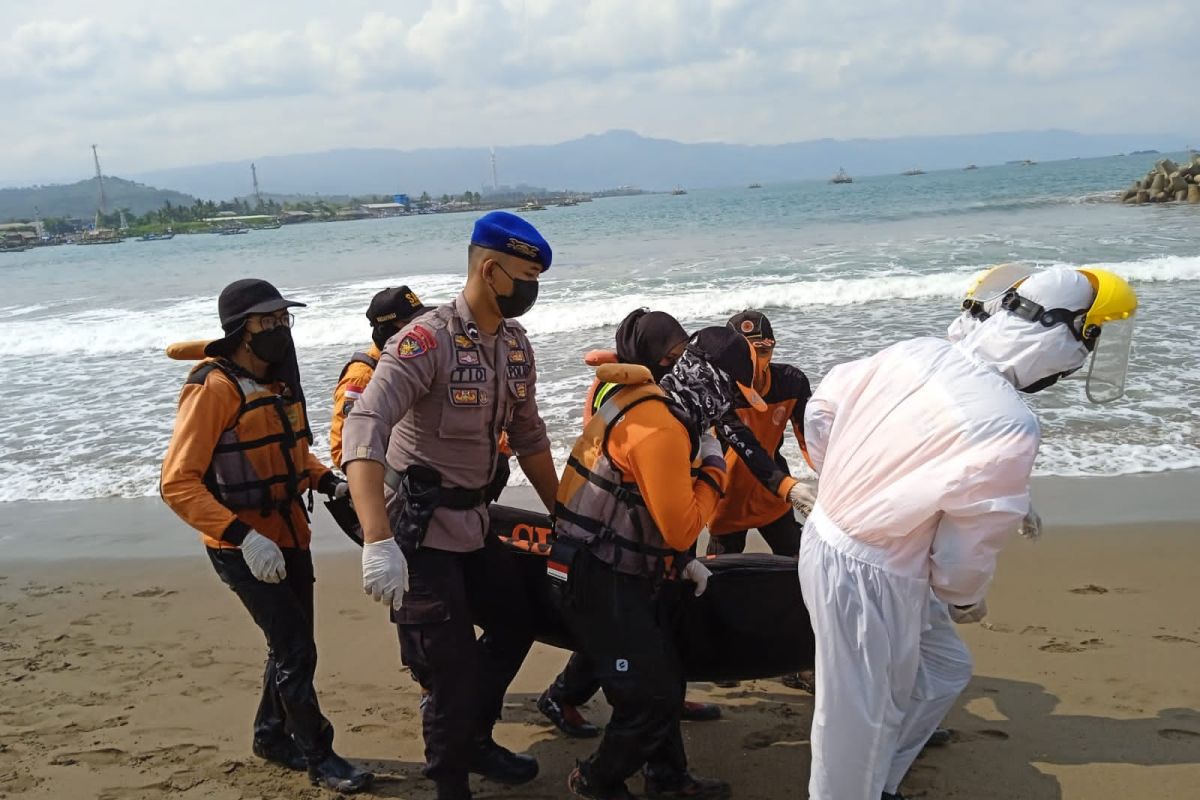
1027, 353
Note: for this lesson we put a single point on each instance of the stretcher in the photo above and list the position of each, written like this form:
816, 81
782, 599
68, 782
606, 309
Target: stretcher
750, 623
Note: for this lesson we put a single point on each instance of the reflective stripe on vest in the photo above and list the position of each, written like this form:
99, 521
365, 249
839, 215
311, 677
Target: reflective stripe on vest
254, 464
599, 508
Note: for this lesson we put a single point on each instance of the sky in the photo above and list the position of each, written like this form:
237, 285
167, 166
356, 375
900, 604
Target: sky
186, 83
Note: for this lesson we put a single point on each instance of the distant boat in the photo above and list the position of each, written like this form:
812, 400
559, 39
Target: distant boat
1024, 162
13, 248
269, 226
754, 186
678, 190
913, 171
970, 166
156, 237
101, 236
841, 177
568, 202
234, 231
533, 205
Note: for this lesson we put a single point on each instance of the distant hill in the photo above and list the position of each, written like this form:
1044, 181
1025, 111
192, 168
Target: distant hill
79, 199
618, 158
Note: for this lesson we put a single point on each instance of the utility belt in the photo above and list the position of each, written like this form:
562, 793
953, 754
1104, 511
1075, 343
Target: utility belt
420, 494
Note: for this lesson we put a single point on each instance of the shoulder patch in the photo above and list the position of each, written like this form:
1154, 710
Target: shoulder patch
411, 346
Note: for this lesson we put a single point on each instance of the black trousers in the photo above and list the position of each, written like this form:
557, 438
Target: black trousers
284, 613
577, 683
621, 626
466, 678
782, 536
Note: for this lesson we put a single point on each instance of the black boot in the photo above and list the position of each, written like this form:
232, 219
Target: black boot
566, 718
283, 752
336, 773
502, 765
580, 786
686, 784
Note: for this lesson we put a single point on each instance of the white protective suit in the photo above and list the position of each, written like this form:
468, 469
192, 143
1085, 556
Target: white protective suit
924, 452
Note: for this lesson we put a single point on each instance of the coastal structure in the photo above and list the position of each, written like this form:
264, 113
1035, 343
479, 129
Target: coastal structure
1168, 182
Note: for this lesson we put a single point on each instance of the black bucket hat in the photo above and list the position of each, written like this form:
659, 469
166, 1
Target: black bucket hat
239, 300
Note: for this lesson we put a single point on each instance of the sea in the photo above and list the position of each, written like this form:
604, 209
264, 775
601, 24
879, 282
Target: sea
87, 395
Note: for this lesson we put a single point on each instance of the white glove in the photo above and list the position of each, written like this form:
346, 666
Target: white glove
803, 496
712, 452
385, 572
341, 490
698, 574
263, 557
969, 614
1031, 526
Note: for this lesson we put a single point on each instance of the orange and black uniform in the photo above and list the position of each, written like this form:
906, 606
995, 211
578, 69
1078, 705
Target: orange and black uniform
239, 461
748, 501
351, 383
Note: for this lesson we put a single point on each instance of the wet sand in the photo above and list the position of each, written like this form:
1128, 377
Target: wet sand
138, 677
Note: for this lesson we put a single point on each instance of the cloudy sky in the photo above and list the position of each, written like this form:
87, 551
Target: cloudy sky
171, 84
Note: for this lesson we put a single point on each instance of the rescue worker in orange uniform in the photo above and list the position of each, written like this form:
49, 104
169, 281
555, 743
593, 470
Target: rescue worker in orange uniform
747, 502
389, 311
237, 469
627, 516
654, 340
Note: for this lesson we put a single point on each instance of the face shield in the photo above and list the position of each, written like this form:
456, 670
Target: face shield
1110, 361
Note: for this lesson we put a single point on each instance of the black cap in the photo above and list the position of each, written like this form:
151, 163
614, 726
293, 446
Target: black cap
239, 300
754, 325
396, 306
731, 353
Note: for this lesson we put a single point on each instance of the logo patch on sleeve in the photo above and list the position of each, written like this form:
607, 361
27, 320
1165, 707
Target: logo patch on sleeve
468, 397
410, 347
521, 390
516, 357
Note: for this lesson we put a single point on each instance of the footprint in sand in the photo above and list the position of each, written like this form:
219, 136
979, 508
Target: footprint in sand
352, 614
155, 591
1056, 646
1168, 638
1034, 629
780, 734
104, 756
1179, 735
1091, 588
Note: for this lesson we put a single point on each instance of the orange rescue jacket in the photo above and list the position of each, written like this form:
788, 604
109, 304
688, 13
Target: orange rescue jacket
351, 383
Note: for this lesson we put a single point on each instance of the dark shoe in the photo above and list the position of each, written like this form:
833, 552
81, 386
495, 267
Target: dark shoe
503, 765
939, 738
804, 681
283, 752
566, 718
580, 787
688, 785
340, 775
700, 712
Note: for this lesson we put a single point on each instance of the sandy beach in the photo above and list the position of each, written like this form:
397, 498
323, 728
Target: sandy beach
124, 676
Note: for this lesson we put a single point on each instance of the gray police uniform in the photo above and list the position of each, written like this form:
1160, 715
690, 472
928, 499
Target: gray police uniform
442, 394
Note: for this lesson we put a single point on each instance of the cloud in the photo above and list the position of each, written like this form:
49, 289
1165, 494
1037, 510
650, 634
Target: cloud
242, 80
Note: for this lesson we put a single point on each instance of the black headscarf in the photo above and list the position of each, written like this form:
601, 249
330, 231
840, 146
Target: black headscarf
646, 337
701, 393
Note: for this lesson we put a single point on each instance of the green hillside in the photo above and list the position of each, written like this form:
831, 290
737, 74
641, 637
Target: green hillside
79, 199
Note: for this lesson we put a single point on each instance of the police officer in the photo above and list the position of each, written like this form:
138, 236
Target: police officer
237, 469
419, 449
389, 311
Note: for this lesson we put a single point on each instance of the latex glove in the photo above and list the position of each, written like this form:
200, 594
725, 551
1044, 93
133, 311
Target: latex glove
712, 452
698, 574
385, 572
263, 557
1031, 526
803, 496
968, 614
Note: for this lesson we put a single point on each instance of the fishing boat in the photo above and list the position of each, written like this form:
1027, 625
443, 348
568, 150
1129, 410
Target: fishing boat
754, 186
234, 231
156, 237
533, 205
677, 190
841, 177
913, 171
269, 226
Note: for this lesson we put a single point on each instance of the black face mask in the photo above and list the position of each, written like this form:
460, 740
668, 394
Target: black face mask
381, 333
273, 346
1044, 383
524, 295
658, 371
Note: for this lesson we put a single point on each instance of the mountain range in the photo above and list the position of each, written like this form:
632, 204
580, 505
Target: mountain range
618, 158
79, 199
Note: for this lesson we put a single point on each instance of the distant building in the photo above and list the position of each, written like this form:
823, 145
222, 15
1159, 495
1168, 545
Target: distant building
385, 209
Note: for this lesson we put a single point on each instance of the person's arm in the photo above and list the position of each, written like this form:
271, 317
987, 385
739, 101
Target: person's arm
734, 434
398, 383
653, 446
539, 468
205, 411
340, 410
799, 390
980, 511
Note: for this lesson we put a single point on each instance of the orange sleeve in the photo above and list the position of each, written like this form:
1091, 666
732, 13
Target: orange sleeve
205, 411
339, 418
653, 446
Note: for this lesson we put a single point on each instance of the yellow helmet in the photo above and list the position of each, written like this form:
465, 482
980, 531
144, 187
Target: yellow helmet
1109, 326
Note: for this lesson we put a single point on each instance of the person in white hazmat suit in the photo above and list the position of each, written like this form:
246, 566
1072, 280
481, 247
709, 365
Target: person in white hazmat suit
924, 452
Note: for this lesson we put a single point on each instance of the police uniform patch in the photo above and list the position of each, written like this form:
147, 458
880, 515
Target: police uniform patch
521, 388
463, 341
467, 358
525, 249
468, 375
410, 347
467, 397
518, 371
473, 331
511, 341
516, 357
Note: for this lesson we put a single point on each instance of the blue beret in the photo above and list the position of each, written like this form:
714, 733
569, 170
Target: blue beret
508, 233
